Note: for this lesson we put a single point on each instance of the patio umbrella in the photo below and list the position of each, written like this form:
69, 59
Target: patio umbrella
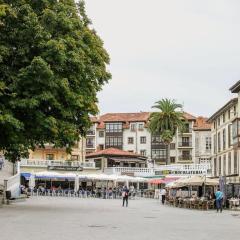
76, 183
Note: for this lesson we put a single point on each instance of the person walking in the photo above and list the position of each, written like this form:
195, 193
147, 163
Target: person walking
163, 195
125, 194
219, 200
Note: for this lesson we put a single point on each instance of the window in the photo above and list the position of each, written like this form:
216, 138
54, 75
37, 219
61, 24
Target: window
91, 130
75, 157
101, 146
219, 142
133, 127
186, 142
130, 140
113, 142
224, 165
172, 146
172, 159
187, 128
220, 166
224, 139
224, 118
159, 153
156, 140
49, 156
235, 165
140, 126
229, 114
98, 163
235, 110
186, 155
208, 143
219, 121
143, 140
214, 124
90, 142
229, 135
215, 143
229, 163
101, 134
143, 153
113, 127
215, 167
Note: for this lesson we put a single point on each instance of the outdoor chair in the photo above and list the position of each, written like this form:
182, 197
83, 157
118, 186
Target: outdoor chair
196, 204
211, 204
205, 205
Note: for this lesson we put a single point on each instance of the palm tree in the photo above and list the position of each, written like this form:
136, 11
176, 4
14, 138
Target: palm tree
166, 121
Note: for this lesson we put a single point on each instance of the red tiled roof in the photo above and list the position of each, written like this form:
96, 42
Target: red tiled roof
113, 152
188, 116
123, 117
129, 117
201, 124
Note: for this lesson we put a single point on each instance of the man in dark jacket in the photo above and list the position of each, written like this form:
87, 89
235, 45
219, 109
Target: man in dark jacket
125, 194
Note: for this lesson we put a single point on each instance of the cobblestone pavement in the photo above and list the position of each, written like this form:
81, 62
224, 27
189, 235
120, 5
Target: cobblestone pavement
46, 218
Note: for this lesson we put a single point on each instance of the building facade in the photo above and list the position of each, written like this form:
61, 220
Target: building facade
52, 153
129, 132
225, 129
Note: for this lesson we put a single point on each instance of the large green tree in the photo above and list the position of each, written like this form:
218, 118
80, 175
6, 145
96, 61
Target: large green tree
166, 121
52, 64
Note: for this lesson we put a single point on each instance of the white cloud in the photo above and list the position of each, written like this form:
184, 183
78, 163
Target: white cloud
182, 49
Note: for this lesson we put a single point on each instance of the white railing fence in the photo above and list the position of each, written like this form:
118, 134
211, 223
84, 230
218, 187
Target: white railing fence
55, 163
178, 169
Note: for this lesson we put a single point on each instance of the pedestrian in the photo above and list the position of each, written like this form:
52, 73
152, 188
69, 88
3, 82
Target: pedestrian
125, 194
219, 200
1, 162
163, 195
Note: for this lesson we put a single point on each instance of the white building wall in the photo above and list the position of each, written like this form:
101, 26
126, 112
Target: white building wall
220, 166
202, 153
137, 146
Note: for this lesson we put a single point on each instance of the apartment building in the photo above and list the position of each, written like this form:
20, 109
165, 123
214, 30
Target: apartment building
128, 132
225, 129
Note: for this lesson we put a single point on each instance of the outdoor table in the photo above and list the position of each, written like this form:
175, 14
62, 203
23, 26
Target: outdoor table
233, 203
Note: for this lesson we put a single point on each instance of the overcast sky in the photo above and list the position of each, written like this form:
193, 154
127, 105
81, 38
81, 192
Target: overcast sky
182, 49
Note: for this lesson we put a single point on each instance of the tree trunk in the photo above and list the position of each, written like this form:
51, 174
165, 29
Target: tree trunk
168, 154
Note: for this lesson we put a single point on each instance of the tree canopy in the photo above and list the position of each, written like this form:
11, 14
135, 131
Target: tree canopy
167, 120
52, 64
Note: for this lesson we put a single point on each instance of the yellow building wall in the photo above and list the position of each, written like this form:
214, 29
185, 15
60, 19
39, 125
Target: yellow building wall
79, 151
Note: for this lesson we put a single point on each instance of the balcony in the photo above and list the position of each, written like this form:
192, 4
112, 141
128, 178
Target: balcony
185, 158
185, 144
91, 133
186, 131
90, 146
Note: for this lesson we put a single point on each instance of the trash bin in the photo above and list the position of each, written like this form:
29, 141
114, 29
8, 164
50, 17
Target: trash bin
8, 195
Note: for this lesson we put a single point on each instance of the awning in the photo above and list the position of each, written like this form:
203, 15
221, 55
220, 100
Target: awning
26, 175
163, 181
233, 180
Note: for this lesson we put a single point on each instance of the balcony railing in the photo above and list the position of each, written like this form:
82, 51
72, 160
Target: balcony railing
185, 158
91, 132
186, 131
185, 144
90, 146
55, 163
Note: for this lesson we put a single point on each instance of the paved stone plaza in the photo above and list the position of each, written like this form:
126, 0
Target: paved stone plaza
45, 218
